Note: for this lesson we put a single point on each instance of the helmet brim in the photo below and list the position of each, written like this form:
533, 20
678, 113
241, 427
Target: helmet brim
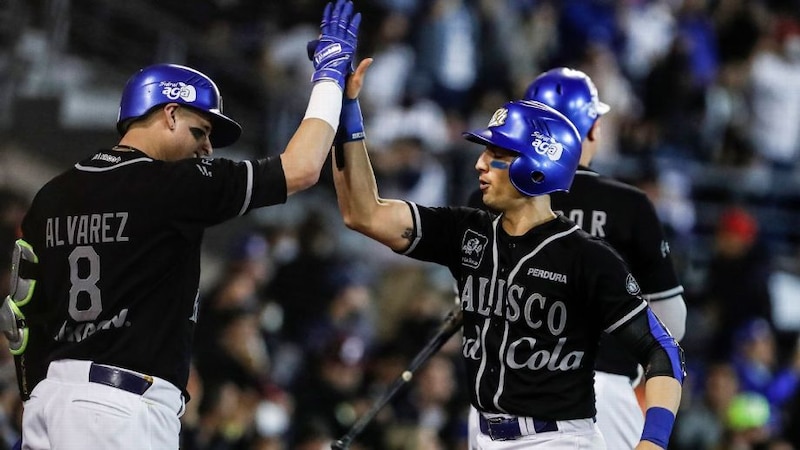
224, 130
486, 136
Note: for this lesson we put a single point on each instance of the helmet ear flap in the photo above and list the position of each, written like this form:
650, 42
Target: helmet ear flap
527, 174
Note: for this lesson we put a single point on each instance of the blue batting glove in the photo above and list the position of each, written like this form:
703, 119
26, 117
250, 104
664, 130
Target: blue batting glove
336, 46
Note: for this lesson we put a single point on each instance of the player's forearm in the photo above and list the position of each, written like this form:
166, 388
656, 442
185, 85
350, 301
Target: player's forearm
386, 221
308, 148
305, 154
662, 399
356, 188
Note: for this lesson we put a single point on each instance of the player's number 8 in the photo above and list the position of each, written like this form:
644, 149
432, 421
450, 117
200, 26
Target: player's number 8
87, 284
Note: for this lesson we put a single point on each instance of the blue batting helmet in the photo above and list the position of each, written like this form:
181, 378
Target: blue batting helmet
160, 84
572, 93
548, 145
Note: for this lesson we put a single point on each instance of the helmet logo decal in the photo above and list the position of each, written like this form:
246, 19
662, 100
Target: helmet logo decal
547, 145
178, 90
499, 117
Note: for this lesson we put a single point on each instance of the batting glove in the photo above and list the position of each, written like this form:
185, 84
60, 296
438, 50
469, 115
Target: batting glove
333, 54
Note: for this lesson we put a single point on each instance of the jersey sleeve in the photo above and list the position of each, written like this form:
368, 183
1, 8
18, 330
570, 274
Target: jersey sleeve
651, 261
215, 190
437, 233
611, 285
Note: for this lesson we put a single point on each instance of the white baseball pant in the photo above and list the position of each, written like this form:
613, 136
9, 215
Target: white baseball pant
619, 415
67, 411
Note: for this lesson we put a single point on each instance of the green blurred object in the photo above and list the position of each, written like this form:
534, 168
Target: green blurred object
748, 410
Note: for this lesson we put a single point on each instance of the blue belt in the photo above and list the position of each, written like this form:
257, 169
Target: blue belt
120, 379
508, 428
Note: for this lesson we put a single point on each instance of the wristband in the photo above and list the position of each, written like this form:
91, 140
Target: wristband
351, 125
325, 103
658, 423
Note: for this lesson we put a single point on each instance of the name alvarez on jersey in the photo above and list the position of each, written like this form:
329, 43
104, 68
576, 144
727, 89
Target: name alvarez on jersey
534, 307
86, 229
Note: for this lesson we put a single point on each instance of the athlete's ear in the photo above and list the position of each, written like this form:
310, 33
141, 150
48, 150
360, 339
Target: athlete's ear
595, 131
169, 111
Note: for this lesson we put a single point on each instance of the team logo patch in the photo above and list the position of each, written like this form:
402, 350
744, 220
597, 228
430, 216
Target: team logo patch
631, 285
547, 146
472, 249
499, 117
178, 90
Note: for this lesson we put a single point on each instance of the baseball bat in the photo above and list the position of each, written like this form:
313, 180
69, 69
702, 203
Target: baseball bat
446, 330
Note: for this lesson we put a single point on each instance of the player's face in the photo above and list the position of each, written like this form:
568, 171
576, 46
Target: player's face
192, 131
494, 183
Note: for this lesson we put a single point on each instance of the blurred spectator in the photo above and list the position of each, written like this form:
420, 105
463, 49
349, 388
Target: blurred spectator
272, 423
227, 417
228, 328
670, 191
350, 312
394, 61
329, 391
727, 120
406, 167
446, 41
701, 425
650, 27
302, 285
535, 29
584, 23
746, 423
431, 404
774, 96
696, 28
600, 63
737, 282
761, 372
673, 104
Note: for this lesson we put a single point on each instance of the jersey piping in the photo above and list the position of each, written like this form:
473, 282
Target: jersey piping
83, 168
663, 295
626, 318
415, 226
249, 191
501, 384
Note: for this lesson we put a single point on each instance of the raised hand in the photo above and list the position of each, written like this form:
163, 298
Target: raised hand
333, 52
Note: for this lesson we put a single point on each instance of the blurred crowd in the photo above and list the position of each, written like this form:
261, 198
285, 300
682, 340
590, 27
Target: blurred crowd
306, 324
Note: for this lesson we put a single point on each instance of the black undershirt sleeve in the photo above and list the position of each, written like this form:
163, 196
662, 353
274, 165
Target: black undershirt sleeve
652, 346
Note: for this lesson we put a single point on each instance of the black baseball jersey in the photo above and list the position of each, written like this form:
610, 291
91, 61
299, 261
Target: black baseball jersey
622, 215
534, 307
118, 238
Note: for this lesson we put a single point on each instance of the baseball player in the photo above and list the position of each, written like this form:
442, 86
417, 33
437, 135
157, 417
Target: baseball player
623, 216
536, 291
110, 256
